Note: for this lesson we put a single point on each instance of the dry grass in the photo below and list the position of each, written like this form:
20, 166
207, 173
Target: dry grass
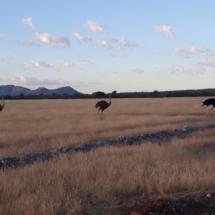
68, 184
39, 125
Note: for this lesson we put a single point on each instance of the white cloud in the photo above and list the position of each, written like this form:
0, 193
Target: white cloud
164, 30
67, 64
96, 27
207, 64
34, 64
47, 38
186, 52
103, 43
52, 40
82, 38
78, 36
19, 80
28, 22
138, 71
124, 42
22, 80
59, 81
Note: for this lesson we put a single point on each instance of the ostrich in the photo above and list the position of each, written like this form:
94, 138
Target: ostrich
2, 106
102, 105
210, 103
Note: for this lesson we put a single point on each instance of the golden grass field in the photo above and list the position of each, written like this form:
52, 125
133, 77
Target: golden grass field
68, 184
39, 125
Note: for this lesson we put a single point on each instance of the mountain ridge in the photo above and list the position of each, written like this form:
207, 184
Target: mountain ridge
17, 90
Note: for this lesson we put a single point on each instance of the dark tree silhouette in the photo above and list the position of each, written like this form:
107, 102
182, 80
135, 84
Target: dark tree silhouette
99, 94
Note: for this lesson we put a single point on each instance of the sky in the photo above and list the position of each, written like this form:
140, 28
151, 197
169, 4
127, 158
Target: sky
94, 45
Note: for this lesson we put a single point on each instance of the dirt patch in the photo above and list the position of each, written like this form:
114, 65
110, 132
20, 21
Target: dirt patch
193, 204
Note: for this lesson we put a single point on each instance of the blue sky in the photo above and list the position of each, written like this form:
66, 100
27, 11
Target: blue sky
92, 45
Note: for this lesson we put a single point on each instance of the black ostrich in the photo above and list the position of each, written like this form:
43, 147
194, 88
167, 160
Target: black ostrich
2, 106
210, 103
102, 105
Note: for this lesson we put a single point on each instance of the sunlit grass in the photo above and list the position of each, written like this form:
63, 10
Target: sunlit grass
38, 125
68, 184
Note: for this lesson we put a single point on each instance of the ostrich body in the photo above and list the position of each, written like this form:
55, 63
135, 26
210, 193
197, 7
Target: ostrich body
2, 106
210, 103
102, 105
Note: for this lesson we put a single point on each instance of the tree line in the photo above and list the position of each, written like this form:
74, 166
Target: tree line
115, 94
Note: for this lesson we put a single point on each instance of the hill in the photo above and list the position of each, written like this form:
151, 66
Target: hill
17, 90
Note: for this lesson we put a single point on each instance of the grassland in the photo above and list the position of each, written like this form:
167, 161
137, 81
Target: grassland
69, 184
39, 125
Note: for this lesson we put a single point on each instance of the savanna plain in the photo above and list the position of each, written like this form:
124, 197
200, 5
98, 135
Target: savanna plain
71, 184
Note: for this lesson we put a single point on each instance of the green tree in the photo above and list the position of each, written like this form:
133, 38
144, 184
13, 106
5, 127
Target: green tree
99, 94
114, 92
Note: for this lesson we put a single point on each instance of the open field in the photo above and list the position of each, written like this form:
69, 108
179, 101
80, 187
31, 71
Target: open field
39, 125
80, 182
70, 185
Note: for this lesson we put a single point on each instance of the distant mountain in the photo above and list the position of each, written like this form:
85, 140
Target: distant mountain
17, 90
